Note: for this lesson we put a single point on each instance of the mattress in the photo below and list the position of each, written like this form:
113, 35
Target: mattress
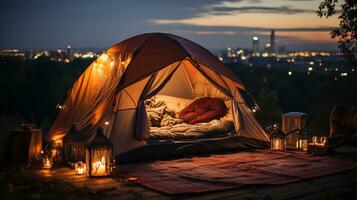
184, 131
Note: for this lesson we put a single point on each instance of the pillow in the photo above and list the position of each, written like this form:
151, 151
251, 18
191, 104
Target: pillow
203, 110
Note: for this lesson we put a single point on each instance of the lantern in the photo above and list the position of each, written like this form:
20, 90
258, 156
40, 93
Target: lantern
56, 148
47, 162
292, 123
277, 140
73, 146
301, 144
99, 155
80, 168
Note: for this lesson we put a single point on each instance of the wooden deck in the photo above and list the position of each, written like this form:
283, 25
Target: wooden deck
337, 186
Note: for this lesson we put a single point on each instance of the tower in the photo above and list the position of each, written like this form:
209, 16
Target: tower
272, 41
69, 53
255, 46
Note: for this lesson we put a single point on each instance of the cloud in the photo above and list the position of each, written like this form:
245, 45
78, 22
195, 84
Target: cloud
231, 30
258, 9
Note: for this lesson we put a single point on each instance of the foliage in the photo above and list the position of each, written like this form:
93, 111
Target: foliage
316, 93
34, 88
269, 112
347, 30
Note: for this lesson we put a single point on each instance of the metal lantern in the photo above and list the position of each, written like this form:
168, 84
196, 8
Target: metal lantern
80, 168
47, 162
292, 123
73, 146
56, 148
277, 140
301, 143
99, 155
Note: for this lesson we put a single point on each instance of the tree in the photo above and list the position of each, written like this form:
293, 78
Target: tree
346, 33
269, 112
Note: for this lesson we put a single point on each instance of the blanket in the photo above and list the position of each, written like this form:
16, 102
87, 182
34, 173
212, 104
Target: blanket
188, 131
159, 114
228, 171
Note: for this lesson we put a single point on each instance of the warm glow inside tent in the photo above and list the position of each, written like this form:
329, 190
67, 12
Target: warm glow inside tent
111, 92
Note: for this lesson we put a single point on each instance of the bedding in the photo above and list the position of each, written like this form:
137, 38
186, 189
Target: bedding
201, 119
203, 110
186, 131
159, 114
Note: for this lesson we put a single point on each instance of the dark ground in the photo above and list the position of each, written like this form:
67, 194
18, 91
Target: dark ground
61, 183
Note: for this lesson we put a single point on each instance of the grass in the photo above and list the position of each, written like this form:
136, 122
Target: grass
20, 183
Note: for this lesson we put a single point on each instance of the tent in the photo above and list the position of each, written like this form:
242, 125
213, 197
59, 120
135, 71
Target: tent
111, 91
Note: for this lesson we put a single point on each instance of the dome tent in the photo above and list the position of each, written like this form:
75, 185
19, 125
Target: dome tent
111, 91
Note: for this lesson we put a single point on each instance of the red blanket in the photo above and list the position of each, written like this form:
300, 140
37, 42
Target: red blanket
203, 110
217, 172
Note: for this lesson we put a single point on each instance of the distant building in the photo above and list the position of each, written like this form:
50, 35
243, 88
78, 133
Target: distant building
12, 53
69, 53
267, 48
281, 49
272, 41
255, 45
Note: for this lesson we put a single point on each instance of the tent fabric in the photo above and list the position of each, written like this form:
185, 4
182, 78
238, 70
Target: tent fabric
111, 91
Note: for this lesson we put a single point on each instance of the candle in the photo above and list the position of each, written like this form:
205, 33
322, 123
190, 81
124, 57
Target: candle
80, 168
301, 144
314, 139
99, 167
47, 163
277, 144
323, 140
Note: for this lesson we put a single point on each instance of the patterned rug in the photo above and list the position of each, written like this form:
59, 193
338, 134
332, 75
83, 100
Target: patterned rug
219, 172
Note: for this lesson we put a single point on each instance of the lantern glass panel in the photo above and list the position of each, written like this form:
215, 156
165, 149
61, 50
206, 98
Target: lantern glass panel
99, 161
278, 144
301, 144
74, 152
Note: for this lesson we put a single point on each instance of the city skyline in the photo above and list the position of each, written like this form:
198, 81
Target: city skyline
213, 24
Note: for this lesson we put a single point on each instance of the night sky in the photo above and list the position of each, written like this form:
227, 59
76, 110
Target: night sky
49, 24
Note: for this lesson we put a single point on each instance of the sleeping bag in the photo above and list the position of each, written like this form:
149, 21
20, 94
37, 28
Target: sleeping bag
203, 110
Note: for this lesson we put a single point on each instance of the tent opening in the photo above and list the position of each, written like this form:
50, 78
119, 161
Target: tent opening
187, 88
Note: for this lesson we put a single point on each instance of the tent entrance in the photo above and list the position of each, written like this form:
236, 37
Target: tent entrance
185, 85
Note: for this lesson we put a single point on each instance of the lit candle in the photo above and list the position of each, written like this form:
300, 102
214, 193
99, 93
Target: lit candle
80, 168
99, 167
314, 139
47, 163
277, 144
323, 140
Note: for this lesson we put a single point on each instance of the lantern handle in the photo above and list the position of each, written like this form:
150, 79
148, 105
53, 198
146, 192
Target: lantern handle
290, 132
308, 121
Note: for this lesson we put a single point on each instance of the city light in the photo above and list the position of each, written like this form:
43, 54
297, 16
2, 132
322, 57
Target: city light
265, 55
290, 73
310, 68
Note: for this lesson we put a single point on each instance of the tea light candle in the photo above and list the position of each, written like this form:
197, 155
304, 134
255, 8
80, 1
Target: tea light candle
314, 139
80, 168
323, 140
